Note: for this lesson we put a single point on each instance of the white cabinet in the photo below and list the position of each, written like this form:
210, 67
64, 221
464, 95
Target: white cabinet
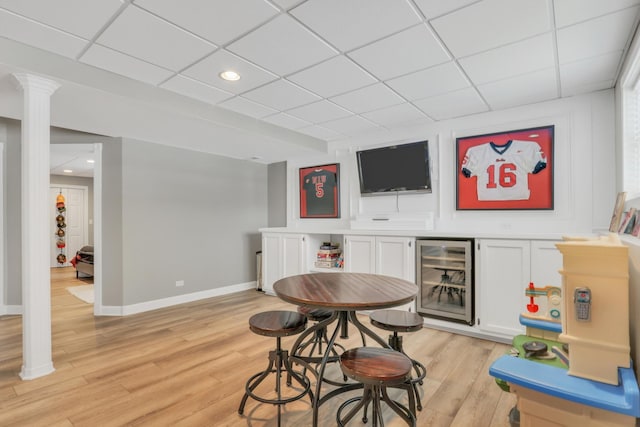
504, 269
396, 257
359, 254
546, 263
389, 255
283, 255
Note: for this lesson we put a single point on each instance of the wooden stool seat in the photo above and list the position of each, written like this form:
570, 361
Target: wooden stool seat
397, 320
315, 314
373, 365
277, 324
376, 368
402, 321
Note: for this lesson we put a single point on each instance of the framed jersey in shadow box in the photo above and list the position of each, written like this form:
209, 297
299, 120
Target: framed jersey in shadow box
505, 170
320, 191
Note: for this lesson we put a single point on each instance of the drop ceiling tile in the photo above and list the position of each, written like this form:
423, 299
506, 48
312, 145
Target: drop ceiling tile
83, 18
350, 124
511, 60
368, 98
26, 31
395, 115
492, 23
287, 4
526, 89
597, 36
434, 8
588, 88
218, 21
586, 72
335, 76
281, 95
119, 63
320, 132
196, 89
351, 24
402, 53
430, 82
282, 46
453, 104
246, 107
285, 120
318, 112
569, 12
160, 43
208, 71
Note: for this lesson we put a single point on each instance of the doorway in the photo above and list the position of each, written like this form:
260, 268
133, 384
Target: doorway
69, 228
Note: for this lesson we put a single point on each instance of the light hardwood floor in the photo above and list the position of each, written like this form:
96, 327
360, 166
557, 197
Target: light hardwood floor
187, 366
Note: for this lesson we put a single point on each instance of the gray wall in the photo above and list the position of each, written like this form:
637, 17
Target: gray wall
168, 214
112, 273
187, 216
277, 194
63, 180
12, 210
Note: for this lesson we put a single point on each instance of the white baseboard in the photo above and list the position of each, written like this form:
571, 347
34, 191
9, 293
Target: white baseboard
175, 300
114, 310
11, 310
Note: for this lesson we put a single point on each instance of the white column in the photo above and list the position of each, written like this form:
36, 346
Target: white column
36, 277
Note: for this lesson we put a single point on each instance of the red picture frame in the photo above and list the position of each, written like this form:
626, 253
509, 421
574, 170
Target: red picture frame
320, 191
505, 170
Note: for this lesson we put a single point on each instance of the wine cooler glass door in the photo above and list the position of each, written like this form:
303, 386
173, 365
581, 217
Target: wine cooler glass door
444, 278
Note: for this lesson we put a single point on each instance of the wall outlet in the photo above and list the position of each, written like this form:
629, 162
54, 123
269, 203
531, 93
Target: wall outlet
179, 283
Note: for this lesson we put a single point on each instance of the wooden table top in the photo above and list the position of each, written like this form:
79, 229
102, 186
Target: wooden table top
345, 291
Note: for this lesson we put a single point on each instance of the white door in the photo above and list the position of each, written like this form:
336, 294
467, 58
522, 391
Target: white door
504, 271
75, 218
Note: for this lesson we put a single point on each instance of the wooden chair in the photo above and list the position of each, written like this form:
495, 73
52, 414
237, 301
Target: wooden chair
277, 324
376, 368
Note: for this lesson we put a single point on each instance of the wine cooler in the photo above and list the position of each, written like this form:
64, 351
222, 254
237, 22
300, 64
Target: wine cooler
445, 279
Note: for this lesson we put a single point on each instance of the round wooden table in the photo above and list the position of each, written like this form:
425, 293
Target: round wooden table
344, 294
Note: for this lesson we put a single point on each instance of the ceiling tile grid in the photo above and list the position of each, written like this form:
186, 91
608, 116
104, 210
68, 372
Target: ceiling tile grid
334, 69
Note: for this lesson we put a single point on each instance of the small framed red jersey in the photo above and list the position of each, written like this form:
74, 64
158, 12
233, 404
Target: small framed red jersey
505, 170
320, 191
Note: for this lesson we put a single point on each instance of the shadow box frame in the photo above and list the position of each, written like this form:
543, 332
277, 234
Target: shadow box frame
312, 182
540, 184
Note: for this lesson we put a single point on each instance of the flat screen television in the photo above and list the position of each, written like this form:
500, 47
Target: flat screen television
395, 168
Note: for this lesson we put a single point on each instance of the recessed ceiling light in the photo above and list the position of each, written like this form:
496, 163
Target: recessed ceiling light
67, 171
230, 75
90, 161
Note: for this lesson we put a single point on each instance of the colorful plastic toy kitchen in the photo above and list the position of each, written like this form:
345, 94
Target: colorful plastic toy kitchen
573, 367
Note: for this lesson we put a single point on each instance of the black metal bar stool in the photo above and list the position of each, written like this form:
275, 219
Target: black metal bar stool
376, 368
319, 337
402, 321
276, 324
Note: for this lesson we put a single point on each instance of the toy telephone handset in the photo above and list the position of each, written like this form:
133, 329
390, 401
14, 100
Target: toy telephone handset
582, 303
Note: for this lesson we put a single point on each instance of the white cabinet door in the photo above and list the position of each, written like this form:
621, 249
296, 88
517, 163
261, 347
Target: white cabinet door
546, 263
503, 274
294, 254
283, 254
396, 257
270, 261
359, 254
